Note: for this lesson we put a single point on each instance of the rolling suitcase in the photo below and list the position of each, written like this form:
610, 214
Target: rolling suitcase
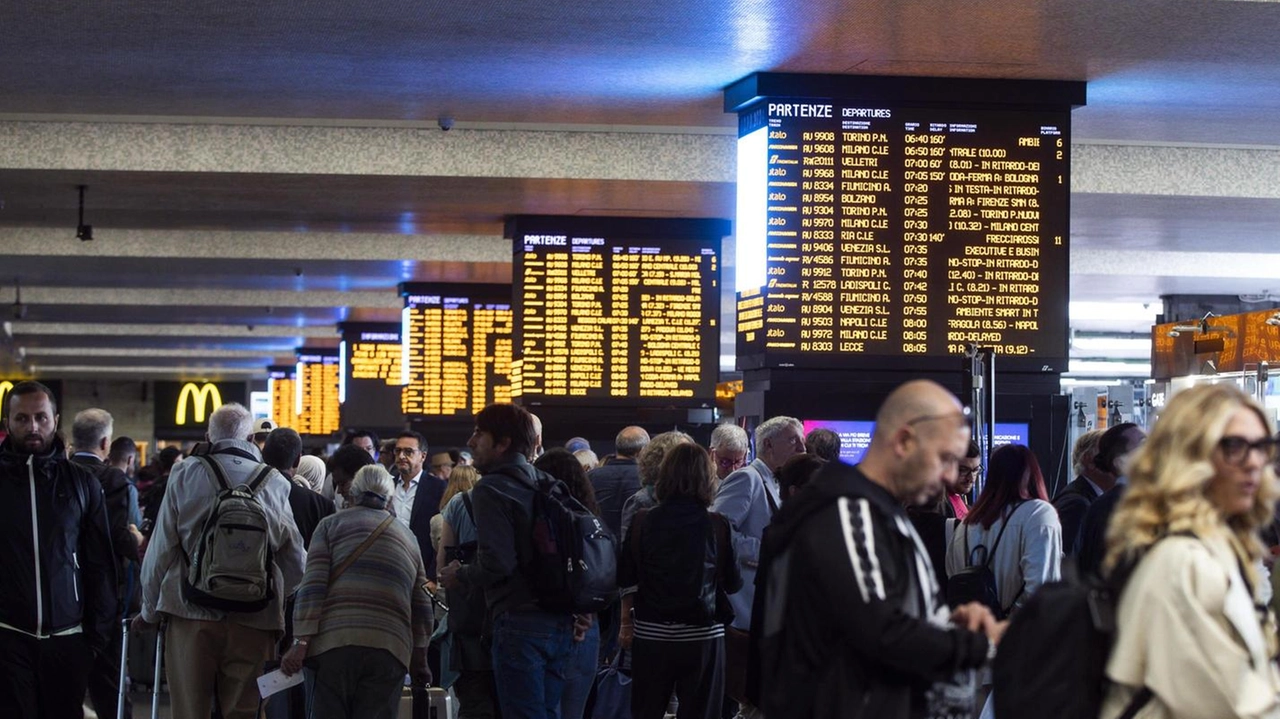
426, 703
128, 660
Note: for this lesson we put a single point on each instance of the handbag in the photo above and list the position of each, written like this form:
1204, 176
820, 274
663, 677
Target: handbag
611, 693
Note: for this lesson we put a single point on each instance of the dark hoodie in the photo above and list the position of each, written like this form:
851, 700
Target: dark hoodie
58, 569
845, 625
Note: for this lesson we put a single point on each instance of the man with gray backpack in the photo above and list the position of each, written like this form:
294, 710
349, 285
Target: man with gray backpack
224, 555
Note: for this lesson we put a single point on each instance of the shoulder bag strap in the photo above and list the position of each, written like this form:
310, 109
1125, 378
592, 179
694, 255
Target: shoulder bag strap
333, 577
466, 504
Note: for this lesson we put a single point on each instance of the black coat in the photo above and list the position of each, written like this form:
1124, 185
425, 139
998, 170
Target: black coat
57, 567
845, 631
426, 504
1072, 503
614, 484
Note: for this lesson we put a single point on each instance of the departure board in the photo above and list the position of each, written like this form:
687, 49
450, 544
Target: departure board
281, 381
615, 311
316, 392
899, 227
457, 348
371, 374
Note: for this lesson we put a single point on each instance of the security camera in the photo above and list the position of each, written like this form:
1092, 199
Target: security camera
19, 311
445, 122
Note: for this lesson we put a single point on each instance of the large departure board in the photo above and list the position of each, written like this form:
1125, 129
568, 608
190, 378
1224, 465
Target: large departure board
908, 219
316, 388
457, 348
281, 385
371, 359
616, 311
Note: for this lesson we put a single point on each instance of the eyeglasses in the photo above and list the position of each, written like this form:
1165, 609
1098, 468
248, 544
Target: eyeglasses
1235, 449
730, 462
965, 415
970, 470
405, 451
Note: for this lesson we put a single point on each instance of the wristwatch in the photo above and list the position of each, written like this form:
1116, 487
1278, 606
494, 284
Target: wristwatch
299, 642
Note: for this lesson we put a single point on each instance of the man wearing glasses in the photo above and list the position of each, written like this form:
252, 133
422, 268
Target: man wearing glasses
852, 614
729, 446
418, 494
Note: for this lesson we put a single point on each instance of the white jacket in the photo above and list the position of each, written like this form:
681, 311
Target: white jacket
1189, 631
188, 499
1029, 555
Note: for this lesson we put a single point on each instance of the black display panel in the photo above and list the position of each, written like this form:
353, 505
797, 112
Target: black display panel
371, 375
616, 311
457, 348
317, 385
903, 228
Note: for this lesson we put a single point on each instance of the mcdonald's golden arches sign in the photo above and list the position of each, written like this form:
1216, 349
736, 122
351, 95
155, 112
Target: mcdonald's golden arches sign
182, 408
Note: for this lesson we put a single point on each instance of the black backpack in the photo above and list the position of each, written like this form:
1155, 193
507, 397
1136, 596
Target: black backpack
977, 582
573, 564
1052, 659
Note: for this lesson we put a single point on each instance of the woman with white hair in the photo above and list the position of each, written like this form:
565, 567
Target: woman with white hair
363, 614
1193, 636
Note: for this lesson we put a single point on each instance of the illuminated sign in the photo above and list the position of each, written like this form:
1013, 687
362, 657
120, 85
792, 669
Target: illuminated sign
205, 399
280, 388
316, 404
5, 387
901, 217
457, 348
182, 409
370, 373
616, 310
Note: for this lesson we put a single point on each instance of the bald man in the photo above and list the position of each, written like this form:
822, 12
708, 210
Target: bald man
851, 612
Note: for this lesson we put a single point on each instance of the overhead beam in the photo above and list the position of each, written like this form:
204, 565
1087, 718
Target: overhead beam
219, 332
60, 242
177, 298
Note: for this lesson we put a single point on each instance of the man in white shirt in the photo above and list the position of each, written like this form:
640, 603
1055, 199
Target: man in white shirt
418, 494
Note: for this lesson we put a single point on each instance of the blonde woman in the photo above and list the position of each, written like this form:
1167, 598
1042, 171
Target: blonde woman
1193, 637
461, 479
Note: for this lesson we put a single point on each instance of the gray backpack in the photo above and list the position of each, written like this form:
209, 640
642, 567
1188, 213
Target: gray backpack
231, 566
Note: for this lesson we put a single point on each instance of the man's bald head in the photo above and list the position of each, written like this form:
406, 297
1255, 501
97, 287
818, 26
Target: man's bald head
630, 441
921, 434
536, 450
911, 401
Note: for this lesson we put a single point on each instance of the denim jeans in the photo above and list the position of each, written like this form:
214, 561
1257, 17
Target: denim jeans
531, 653
580, 674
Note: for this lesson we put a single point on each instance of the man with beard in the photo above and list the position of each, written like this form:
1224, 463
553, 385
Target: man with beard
58, 607
851, 615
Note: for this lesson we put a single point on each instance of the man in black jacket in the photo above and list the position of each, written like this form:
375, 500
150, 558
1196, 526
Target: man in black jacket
852, 624
91, 443
531, 647
615, 482
58, 606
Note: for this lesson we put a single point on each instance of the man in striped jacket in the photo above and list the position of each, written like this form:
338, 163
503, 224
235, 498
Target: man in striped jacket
852, 623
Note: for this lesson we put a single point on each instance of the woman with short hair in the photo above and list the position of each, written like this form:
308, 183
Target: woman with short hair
362, 614
1193, 637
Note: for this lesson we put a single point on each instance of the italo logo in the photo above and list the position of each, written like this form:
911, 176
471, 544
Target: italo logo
205, 398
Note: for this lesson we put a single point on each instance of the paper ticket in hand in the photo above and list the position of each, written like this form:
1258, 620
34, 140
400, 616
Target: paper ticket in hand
276, 681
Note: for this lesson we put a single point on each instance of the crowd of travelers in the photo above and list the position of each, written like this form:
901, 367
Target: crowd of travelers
759, 576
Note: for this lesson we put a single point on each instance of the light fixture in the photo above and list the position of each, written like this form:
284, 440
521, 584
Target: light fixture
1179, 329
1274, 320
84, 232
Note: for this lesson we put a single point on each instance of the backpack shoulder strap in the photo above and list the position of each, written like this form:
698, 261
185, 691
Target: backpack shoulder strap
1004, 524
215, 471
264, 471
